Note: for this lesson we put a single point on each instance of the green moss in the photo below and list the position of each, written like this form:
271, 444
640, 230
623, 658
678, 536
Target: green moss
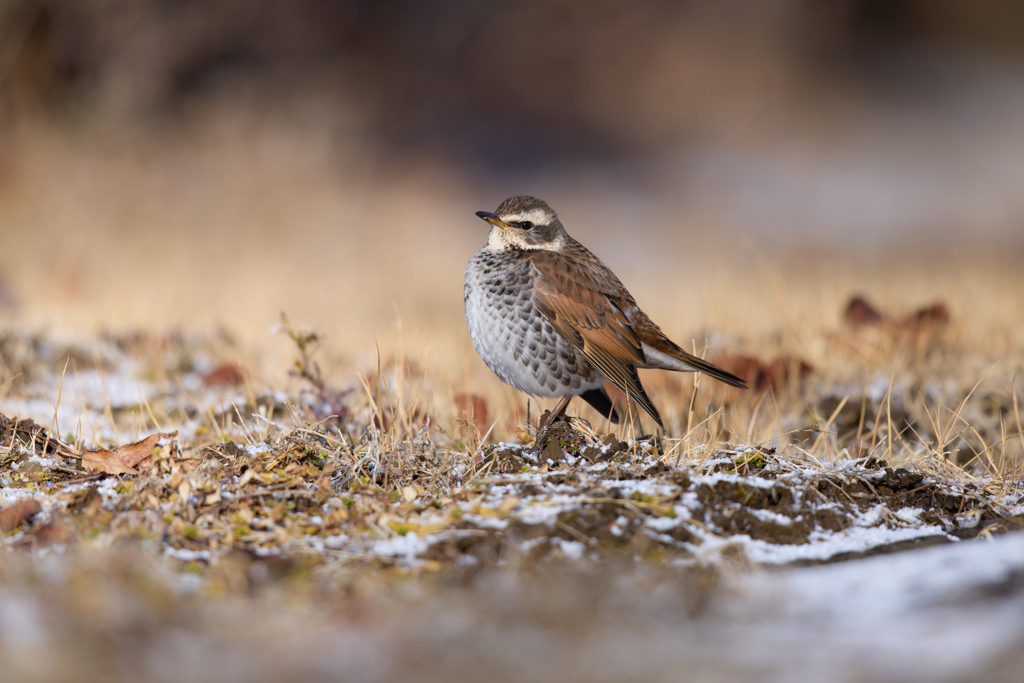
750, 459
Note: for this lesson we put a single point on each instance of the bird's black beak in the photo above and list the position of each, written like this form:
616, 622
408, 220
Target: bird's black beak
492, 219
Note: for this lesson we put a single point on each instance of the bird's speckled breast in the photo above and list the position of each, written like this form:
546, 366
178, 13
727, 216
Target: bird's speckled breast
512, 336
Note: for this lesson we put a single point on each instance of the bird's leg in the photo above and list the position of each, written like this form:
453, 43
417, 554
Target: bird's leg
560, 407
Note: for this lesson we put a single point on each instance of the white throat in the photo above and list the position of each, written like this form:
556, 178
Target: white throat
501, 239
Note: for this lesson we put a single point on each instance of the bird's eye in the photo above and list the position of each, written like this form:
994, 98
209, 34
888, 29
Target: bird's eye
525, 225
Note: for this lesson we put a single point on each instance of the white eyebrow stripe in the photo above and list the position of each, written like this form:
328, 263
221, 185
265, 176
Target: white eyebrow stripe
535, 216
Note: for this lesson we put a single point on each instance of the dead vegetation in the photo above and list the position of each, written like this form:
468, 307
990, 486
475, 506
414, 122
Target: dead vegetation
368, 475
348, 513
179, 482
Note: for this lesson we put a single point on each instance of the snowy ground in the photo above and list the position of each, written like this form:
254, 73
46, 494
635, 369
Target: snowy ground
950, 613
931, 614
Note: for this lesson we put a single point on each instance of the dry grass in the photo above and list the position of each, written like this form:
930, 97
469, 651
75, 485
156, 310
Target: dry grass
230, 227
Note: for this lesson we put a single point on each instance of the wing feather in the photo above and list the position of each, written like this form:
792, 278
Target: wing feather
583, 308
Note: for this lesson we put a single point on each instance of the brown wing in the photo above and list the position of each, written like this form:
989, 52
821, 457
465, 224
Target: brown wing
581, 301
598, 278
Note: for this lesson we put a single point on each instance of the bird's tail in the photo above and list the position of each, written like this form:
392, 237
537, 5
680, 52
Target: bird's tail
711, 370
670, 357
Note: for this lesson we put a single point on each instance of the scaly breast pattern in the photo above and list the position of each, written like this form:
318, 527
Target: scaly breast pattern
511, 335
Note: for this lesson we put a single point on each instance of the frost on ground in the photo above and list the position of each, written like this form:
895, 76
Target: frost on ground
307, 494
381, 550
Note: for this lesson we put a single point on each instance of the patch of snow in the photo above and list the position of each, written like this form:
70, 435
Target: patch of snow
336, 542
662, 523
910, 515
187, 555
466, 561
618, 526
539, 513
663, 538
772, 517
45, 462
405, 547
9, 496
107, 488
682, 511
526, 546
718, 461
571, 550
257, 448
932, 614
690, 501
714, 478
646, 487
487, 522
824, 545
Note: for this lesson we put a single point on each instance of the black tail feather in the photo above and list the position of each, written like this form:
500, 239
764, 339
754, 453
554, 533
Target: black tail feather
601, 402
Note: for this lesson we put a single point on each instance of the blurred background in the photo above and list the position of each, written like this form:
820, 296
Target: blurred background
212, 163
744, 166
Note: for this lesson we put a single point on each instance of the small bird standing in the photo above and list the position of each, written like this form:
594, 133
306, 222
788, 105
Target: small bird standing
550, 319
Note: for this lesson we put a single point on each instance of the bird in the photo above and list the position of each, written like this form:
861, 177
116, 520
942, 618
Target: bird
550, 319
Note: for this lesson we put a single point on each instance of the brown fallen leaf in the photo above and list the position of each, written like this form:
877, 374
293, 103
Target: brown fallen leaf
774, 374
937, 314
55, 532
765, 375
926, 321
473, 407
124, 459
860, 313
28, 431
13, 515
225, 375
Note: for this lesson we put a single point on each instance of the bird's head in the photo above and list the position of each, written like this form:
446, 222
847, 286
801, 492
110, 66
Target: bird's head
525, 223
